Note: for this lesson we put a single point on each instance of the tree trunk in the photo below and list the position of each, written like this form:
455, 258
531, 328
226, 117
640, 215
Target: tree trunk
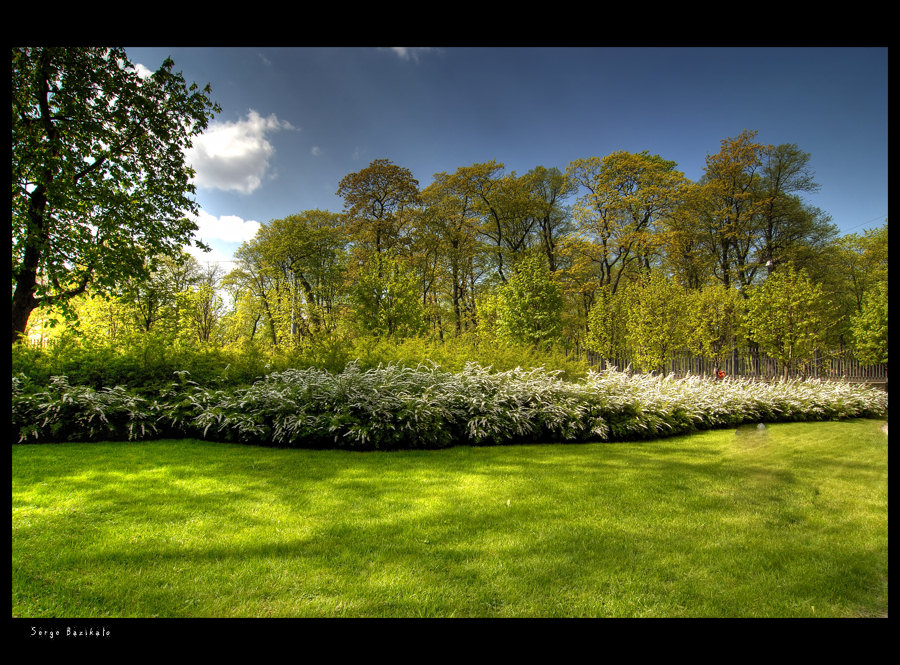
37, 233
23, 304
23, 300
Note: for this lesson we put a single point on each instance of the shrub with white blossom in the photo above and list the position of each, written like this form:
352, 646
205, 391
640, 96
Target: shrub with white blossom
392, 407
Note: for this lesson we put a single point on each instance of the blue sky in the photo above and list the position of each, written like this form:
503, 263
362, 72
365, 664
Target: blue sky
295, 121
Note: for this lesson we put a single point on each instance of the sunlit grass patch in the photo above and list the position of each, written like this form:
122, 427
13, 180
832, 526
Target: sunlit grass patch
711, 524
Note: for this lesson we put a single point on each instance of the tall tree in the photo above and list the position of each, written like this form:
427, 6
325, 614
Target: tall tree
727, 206
657, 320
549, 189
529, 304
295, 269
385, 299
784, 220
99, 179
686, 255
307, 250
153, 299
716, 315
203, 305
863, 260
497, 203
860, 272
451, 220
746, 215
870, 326
626, 199
607, 332
255, 286
377, 201
783, 227
786, 316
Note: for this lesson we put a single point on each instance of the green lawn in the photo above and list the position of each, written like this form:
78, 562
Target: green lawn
791, 522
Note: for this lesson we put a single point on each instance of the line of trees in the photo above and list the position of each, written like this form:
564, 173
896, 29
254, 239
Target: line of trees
619, 256
614, 254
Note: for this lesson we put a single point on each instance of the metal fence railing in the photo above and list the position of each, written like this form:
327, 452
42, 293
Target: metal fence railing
842, 365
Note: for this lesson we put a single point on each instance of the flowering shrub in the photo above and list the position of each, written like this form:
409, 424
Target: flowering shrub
80, 413
401, 407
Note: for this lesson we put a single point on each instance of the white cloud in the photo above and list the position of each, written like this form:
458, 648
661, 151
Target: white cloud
234, 156
223, 235
410, 52
215, 255
142, 71
229, 228
316, 151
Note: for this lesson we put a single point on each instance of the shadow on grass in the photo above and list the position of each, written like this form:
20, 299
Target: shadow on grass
690, 526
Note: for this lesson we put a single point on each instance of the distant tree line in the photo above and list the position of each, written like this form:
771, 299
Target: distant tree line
615, 256
619, 256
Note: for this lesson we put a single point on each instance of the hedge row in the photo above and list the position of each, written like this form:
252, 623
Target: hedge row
392, 407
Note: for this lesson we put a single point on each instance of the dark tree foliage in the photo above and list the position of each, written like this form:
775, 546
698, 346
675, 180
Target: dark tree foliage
99, 180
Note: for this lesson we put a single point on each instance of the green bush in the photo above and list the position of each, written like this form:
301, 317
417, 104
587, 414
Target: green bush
64, 412
146, 363
393, 406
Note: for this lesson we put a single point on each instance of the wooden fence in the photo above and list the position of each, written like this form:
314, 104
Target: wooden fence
834, 366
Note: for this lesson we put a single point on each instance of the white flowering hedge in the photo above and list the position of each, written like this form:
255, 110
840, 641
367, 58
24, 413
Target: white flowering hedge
396, 407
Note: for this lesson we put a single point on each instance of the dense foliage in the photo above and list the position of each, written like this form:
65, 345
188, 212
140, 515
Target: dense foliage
618, 257
390, 407
99, 180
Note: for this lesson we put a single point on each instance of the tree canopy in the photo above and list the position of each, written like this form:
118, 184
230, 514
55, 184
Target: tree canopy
621, 256
99, 179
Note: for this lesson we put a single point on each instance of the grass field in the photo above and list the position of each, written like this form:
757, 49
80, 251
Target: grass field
788, 522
